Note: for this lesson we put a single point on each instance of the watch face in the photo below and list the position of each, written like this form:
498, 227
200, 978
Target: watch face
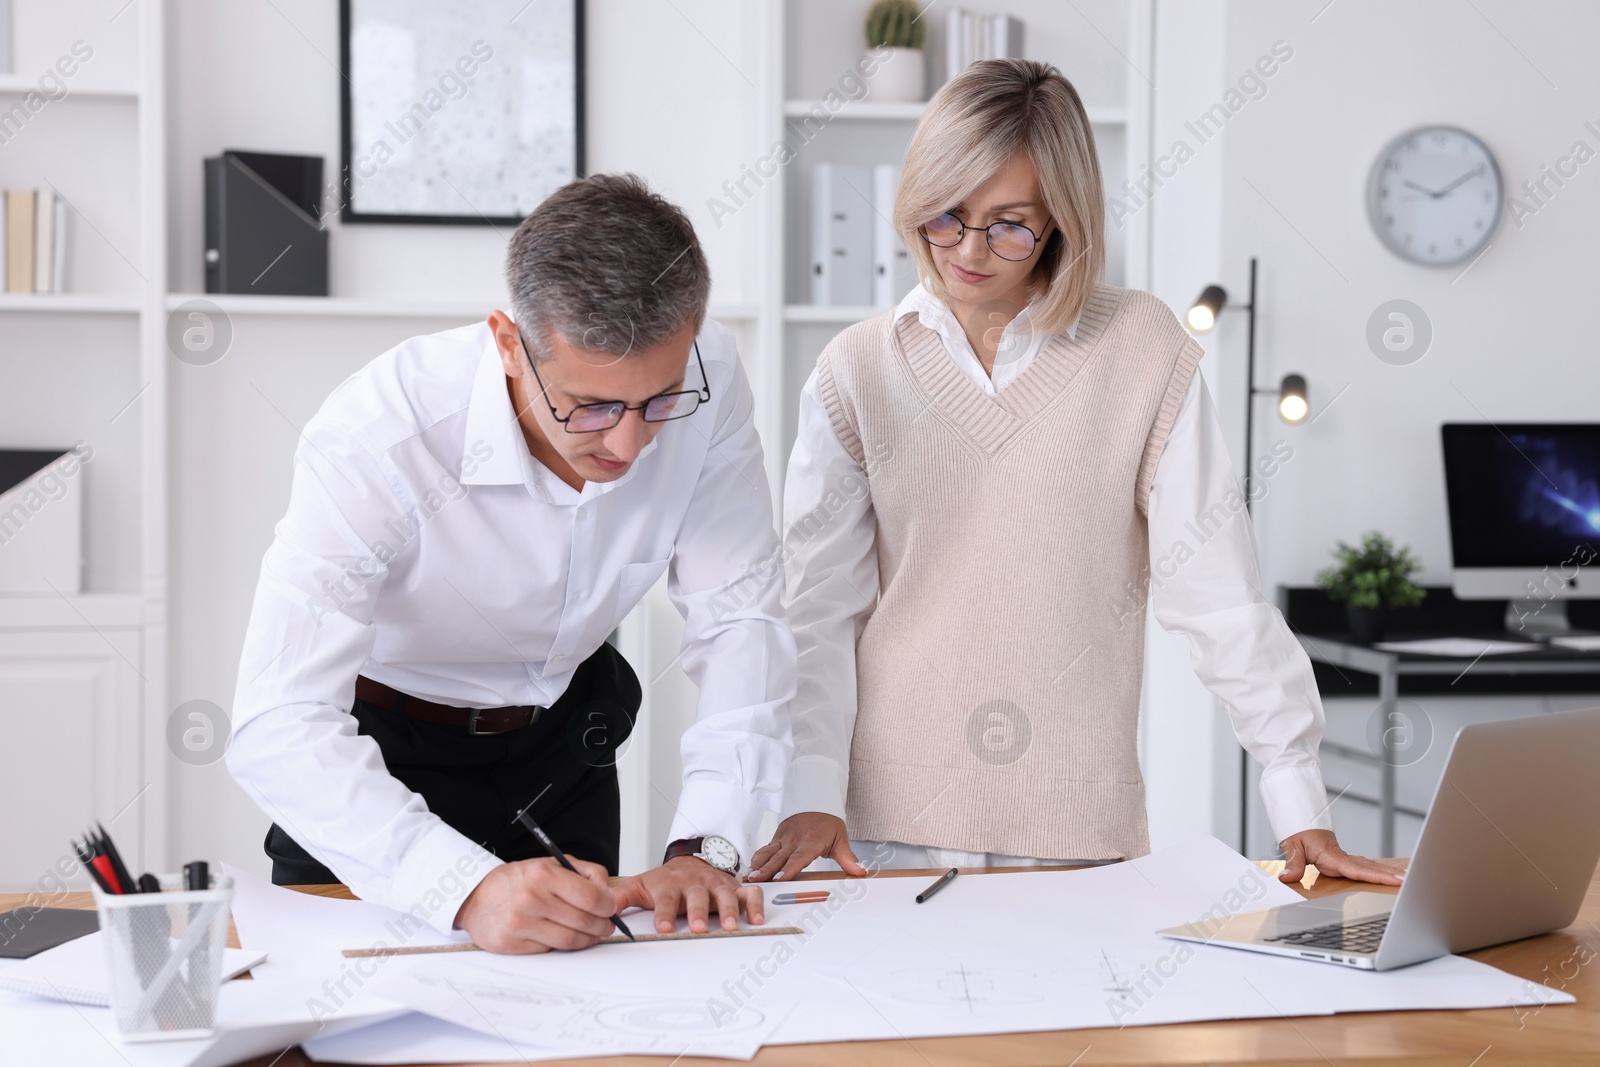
1434, 195
720, 853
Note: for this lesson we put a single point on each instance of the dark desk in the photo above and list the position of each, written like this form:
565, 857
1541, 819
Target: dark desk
1320, 627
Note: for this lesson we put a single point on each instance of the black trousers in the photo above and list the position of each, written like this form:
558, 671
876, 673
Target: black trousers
564, 763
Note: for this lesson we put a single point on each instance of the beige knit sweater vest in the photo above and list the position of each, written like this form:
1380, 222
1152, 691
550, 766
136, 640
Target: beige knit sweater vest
999, 674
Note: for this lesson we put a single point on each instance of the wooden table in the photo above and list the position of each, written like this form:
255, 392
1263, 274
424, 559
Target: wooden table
1491, 1037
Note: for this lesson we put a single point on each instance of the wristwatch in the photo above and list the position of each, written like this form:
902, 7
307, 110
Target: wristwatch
717, 851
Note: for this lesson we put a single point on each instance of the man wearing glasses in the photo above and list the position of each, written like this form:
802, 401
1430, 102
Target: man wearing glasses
472, 515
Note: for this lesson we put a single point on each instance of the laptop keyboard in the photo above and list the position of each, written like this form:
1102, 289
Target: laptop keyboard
1342, 937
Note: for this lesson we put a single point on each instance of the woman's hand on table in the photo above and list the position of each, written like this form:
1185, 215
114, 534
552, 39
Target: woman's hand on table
1321, 848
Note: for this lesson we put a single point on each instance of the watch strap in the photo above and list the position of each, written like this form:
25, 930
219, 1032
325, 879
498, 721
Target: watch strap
684, 846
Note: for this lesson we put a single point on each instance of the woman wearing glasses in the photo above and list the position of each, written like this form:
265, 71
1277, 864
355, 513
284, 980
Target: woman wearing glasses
987, 482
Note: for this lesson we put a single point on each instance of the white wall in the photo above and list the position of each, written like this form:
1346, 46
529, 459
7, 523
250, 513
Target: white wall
1187, 771
1284, 182
1511, 335
665, 99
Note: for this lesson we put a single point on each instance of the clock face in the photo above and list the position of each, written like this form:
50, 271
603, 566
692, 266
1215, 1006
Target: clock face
1434, 195
720, 853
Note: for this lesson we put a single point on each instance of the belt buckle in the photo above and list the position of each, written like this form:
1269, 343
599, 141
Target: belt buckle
472, 723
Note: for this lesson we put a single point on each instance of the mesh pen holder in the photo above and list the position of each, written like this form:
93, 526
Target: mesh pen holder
164, 957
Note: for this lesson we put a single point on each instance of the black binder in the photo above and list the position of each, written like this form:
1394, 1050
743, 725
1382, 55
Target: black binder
17, 465
264, 225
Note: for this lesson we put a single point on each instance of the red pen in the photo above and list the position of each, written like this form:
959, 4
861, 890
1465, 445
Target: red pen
85, 854
108, 874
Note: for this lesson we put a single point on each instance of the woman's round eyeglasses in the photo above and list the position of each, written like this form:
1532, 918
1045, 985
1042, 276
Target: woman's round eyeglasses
1008, 240
592, 418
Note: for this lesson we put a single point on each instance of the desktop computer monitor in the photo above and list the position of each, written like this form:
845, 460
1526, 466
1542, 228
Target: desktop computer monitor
1524, 501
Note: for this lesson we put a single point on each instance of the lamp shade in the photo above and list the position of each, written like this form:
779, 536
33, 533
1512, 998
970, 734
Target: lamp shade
1293, 404
1203, 314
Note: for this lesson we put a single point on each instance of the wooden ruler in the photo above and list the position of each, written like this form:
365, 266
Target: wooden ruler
682, 935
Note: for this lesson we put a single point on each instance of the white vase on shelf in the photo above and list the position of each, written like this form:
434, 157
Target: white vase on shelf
899, 78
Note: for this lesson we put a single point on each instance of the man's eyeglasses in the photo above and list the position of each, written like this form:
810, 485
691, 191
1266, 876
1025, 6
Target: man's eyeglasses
1008, 240
592, 418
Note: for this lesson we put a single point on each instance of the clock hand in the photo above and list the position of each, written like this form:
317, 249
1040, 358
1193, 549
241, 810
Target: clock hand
1420, 189
1474, 172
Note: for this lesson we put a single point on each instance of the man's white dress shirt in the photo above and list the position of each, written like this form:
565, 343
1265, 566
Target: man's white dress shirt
425, 548
1205, 584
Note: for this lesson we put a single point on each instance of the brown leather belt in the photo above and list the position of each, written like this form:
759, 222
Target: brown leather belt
475, 720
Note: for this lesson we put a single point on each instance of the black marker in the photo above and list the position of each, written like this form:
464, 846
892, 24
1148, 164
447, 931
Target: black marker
196, 875
943, 881
561, 858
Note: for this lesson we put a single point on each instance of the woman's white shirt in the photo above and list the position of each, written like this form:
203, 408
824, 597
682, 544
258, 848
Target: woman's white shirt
1205, 584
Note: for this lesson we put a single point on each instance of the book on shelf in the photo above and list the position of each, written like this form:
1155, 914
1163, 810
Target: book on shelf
19, 240
970, 37
33, 239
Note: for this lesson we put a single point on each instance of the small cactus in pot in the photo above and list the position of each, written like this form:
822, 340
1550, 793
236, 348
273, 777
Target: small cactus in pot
895, 32
895, 24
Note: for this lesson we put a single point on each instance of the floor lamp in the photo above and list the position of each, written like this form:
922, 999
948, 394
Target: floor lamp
1293, 407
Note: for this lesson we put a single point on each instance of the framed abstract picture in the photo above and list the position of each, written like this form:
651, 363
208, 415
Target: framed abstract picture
458, 114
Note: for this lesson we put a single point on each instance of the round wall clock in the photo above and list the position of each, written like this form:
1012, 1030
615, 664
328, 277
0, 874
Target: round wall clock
1434, 195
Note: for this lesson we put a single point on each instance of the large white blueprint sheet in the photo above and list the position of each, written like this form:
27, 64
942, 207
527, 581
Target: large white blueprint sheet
262, 1018
989, 954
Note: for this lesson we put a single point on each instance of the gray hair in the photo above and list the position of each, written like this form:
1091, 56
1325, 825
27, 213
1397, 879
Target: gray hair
608, 265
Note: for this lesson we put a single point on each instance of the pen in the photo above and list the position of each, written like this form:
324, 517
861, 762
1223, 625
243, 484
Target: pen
102, 865
109, 850
97, 866
943, 881
561, 858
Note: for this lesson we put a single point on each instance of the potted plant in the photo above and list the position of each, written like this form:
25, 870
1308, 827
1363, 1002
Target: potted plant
1370, 580
896, 25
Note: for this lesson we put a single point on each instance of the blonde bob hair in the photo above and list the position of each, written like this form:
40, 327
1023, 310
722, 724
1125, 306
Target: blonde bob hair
971, 129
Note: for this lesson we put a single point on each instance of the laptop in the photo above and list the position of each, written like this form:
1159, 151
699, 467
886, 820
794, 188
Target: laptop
1507, 851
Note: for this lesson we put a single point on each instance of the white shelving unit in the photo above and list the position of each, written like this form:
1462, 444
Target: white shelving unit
841, 314
71, 303
868, 109
1102, 46
357, 307
14, 84
83, 677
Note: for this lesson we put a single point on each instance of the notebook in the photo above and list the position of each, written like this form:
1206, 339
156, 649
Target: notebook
76, 971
